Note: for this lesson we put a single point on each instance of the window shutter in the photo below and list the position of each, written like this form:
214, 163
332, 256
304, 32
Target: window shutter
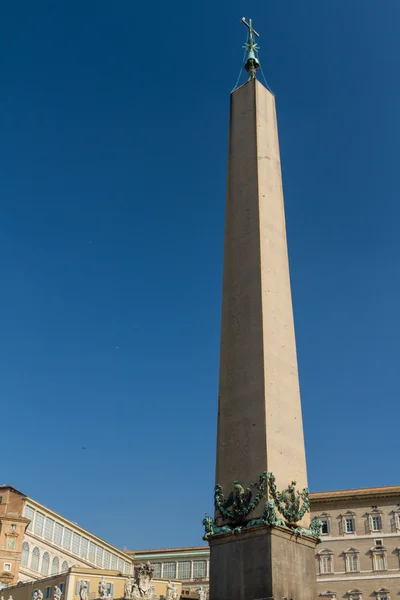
370, 523
341, 526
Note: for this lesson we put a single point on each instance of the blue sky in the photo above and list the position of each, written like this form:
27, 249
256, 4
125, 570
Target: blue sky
113, 123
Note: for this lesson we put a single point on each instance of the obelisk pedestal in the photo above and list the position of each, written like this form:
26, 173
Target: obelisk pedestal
255, 544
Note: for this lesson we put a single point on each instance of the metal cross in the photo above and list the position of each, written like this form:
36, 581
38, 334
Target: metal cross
250, 26
251, 64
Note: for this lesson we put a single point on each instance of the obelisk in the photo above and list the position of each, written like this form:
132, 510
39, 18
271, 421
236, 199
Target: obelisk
260, 542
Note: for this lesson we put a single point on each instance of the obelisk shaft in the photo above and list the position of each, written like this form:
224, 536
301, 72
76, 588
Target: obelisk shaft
259, 417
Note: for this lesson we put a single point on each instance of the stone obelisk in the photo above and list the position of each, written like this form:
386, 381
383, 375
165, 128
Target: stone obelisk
255, 543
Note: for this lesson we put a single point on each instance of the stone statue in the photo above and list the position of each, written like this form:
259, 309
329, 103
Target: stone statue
202, 592
39, 595
128, 588
10, 597
103, 589
144, 589
172, 591
56, 593
83, 590
35, 595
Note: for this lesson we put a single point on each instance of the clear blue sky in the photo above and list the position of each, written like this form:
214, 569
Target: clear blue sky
113, 139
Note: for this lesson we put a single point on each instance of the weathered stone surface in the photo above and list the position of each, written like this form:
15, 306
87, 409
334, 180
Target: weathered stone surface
262, 564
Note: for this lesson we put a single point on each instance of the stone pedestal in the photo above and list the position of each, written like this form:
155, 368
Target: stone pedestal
263, 564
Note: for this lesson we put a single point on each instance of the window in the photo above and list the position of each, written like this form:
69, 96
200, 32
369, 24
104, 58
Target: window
120, 565
397, 521
114, 562
67, 539
184, 569
169, 570
64, 567
349, 525
29, 513
76, 540
55, 566
326, 563
35, 559
378, 543
61, 586
13, 526
25, 554
45, 564
199, 568
127, 568
354, 595
157, 570
376, 523
374, 507
99, 556
84, 547
7, 567
92, 552
48, 529
39, 524
352, 562
325, 527
107, 559
110, 589
382, 594
47, 592
58, 532
325, 558
379, 559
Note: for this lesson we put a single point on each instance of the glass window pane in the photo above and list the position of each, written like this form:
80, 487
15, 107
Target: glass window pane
35, 559
184, 569
25, 554
29, 513
48, 529
39, 523
58, 532
92, 552
67, 539
199, 568
169, 570
99, 557
45, 564
84, 547
107, 560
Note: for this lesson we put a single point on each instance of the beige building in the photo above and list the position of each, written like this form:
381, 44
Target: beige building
191, 566
359, 556
36, 542
70, 583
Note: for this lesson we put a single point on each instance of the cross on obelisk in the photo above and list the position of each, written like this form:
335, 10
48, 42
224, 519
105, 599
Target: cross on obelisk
251, 65
261, 543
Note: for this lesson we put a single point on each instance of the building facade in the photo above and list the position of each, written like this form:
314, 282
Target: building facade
67, 586
190, 566
359, 556
36, 542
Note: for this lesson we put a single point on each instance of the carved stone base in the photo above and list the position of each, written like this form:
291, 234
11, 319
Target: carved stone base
262, 563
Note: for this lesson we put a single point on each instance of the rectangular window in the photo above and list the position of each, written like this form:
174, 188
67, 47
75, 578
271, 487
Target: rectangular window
76, 540
107, 559
84, 547
67, 539
29, 513
114, 562
379, 562
349, 525
13, 526
169, 570
39, 524
48, 529
378, 543
376, 523
127, 568
352, 562
58, 532
184, 569
120, 565
61, 586
92, 552
99, 556
326, 564
325, 527
47, 592
199, 568
110, 590
157, 570
7, 566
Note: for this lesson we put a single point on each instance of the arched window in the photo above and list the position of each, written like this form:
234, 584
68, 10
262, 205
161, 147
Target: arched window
35, 558
64, 566
55, 565
25, 554
45, 564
